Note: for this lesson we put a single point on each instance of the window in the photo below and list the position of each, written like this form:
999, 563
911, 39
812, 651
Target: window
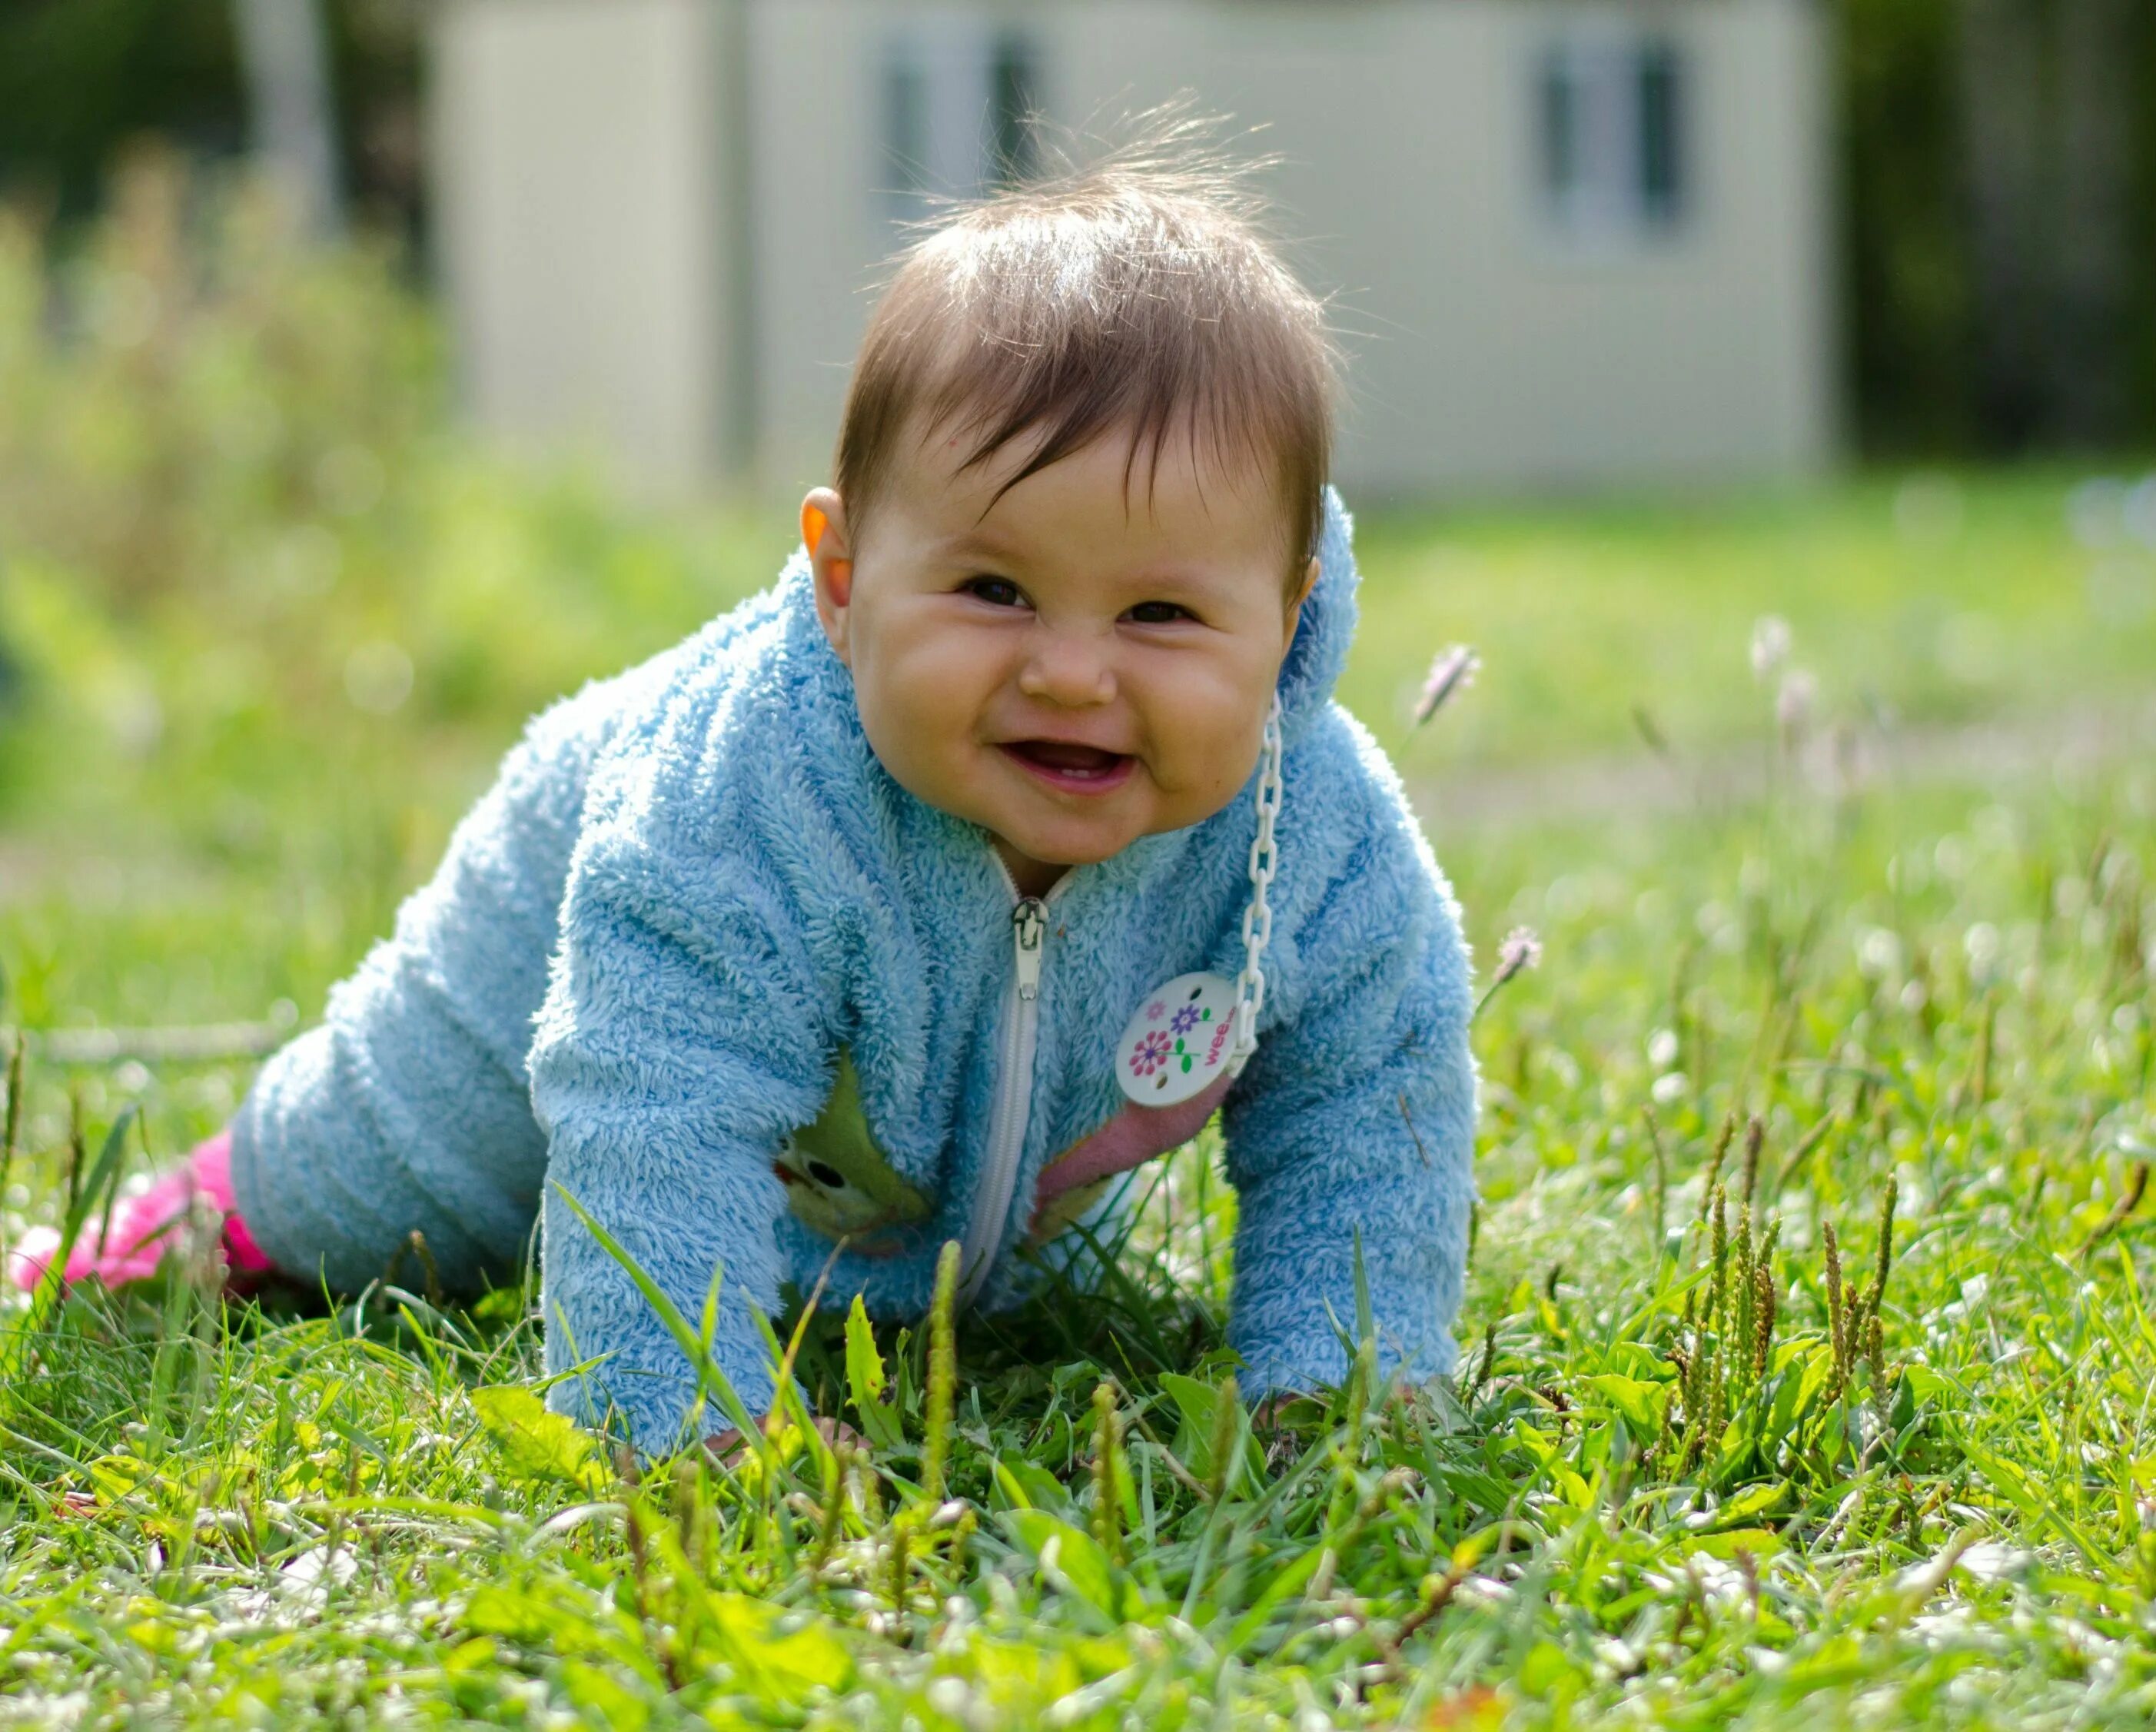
1612, 135
1014, 100
958, 102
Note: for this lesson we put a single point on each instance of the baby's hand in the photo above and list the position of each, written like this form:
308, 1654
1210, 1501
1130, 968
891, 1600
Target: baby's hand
729, 1446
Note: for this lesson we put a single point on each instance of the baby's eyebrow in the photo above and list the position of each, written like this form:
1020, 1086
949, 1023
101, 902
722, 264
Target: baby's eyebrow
977, 542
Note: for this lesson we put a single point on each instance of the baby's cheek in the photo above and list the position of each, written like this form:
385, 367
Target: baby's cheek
924, 701
1209, 732
1201, 778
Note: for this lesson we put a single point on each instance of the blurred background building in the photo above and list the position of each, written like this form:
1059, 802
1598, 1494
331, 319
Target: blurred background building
1567, 246
1574, 242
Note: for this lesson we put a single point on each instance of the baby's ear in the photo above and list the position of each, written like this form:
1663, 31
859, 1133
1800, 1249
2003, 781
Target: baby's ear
830, 561
1302, 594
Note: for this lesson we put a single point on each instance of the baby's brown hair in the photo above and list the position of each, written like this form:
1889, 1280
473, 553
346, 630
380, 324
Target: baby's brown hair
1137, 293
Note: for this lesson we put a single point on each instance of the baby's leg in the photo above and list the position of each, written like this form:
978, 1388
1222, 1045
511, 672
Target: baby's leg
407, 1108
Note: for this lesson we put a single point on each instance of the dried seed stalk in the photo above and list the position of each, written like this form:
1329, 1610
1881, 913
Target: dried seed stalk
1884, 1259
1706, 1189
1718, 1280
1763, 1319
1744, 1291
1875, 1346
1837, 1320
833, 1514
78, 1152
688, 1488
15, 1123
942, 1374
1661, 1176
1107, 1471
1227, 1412
1764, 1299
1980, 1081
1718, 1409
1755, 1139
901, 1563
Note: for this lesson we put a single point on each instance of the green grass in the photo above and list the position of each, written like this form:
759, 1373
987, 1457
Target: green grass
1632, 1506
217, 1511
1915, 600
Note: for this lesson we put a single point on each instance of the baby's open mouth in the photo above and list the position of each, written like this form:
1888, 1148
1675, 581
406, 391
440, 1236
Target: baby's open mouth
1066, 764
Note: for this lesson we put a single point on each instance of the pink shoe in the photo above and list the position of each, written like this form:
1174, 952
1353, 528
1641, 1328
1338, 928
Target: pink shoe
145, 1226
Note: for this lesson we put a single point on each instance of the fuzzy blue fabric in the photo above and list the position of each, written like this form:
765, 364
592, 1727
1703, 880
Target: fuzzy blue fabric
694, 885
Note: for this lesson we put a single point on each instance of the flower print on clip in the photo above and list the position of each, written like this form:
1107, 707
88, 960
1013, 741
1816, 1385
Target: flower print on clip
1151, 1053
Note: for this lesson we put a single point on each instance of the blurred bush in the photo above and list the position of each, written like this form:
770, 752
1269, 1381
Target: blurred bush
247, 565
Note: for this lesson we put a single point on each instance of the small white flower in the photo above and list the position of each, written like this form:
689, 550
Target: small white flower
1453, 672
1793, 706
1879, 953
1770, 644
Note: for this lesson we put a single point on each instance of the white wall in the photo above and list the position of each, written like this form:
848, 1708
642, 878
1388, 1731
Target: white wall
575, 155
1487, 349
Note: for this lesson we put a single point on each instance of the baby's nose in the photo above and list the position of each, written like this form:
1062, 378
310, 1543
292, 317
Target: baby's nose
1067, 668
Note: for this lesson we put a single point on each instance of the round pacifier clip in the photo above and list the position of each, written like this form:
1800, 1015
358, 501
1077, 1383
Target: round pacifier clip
1189, 1032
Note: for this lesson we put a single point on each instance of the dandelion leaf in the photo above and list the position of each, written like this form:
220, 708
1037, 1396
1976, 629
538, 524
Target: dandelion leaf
777, 1653
537, 1443
865, 1380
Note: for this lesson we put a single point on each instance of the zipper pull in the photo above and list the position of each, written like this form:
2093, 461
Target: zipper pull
1029, 927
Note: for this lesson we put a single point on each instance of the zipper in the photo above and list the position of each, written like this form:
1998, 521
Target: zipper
1012, 1108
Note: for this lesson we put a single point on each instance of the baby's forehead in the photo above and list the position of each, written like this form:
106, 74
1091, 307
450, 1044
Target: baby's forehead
1181, 478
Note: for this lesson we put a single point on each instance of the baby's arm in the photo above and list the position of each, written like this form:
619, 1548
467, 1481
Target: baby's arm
681, 1038
1357, 1114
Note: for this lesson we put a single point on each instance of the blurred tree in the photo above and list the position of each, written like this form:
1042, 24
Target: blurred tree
2099, 78
292, 124
78, 76
2002, 114
79, 80
1999, 159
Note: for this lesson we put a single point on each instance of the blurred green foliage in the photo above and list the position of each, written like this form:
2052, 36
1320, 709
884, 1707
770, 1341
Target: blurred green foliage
83, 82
273, 619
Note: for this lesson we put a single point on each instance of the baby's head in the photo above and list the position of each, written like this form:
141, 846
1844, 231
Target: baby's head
1078, 495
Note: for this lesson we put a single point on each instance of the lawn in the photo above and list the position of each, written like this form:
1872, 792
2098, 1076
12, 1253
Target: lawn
1843, 1419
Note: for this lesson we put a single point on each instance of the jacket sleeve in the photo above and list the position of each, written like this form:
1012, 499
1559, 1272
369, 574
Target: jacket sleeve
408, 1108
681, 1039
1357, 1116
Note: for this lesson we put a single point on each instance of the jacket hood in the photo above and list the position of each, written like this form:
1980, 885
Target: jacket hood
1320, 649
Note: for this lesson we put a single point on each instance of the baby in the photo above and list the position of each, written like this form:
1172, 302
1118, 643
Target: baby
1009, 836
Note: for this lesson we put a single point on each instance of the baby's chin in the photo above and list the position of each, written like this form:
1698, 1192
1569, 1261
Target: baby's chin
1058, 845
1069, 841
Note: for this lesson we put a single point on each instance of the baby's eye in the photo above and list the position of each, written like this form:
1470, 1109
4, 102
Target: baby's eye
996, 592
1158, 612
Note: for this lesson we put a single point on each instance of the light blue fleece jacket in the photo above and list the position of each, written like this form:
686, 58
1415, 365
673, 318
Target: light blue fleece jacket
695, 908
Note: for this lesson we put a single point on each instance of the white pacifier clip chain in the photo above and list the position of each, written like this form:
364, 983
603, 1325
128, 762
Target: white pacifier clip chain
1258, 916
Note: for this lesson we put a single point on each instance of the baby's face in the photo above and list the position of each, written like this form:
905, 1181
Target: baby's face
1082, 662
